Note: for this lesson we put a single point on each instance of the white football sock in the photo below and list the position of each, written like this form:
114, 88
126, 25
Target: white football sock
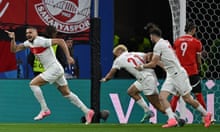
182, 108
170, 113
39, 96
143, 104
76, 101
201, 109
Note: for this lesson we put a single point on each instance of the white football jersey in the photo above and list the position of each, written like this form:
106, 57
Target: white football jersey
129, 60
42, 48
171, 63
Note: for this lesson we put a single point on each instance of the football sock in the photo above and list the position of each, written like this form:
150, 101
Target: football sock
201, 109
39, 96
173, 102
182, 108
200, 98
143, 104
76, 101
170, 113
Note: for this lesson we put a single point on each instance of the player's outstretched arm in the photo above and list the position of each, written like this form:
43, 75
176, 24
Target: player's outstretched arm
152, 64
14, 48
109, 75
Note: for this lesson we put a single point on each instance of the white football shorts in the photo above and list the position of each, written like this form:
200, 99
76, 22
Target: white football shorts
148, 85
54, 74
177, 84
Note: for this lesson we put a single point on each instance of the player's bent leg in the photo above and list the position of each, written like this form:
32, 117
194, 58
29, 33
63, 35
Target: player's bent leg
200, 99
163, 99
134, 92
207, 116
64, 90
38, 80
34, 85
182, 113
172, 122
189, 99
74, 99
154, 100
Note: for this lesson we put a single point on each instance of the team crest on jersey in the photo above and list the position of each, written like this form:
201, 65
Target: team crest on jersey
68, 16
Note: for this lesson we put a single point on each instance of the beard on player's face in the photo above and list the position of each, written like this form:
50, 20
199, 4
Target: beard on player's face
31, 34
30, 38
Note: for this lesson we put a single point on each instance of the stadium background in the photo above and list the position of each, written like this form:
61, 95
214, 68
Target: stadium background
126, 20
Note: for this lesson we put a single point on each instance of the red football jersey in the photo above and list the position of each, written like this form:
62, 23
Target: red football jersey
186, 48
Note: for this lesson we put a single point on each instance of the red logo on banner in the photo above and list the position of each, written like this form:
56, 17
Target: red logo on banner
68, 16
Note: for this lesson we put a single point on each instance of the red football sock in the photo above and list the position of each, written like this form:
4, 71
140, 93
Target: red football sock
200, 98
173, 102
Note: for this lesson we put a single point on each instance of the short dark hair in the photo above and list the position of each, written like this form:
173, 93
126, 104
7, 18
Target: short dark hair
151, 28
189, 26
156, 31
31, 27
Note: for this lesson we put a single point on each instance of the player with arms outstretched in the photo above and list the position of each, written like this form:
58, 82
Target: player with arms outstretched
146, 79
42, 48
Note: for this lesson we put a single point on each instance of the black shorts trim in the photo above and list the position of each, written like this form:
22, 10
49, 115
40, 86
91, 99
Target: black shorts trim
195, 82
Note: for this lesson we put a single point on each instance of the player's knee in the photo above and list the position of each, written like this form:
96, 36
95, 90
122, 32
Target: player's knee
65, 93
32, 84
131, 93
64, 90
161, 98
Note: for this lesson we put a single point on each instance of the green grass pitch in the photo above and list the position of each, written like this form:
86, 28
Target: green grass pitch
61, 127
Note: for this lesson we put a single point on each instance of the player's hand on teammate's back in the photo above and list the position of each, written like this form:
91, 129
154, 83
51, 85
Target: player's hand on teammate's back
139, 67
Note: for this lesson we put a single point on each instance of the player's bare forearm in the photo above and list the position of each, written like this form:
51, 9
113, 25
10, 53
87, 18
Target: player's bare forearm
148, 56
11, 35
151, 64
13, 47
109, 75
62, 44
65, 49
148, 65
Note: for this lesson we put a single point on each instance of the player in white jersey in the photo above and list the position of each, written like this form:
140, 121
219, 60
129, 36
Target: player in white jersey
42, 48
146, 79
176, 81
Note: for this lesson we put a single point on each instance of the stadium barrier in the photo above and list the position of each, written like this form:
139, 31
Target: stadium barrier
19, 105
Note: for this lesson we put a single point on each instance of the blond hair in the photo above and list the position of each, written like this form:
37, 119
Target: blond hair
120, 46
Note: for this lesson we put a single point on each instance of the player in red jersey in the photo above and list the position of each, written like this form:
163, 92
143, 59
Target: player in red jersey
188, 50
